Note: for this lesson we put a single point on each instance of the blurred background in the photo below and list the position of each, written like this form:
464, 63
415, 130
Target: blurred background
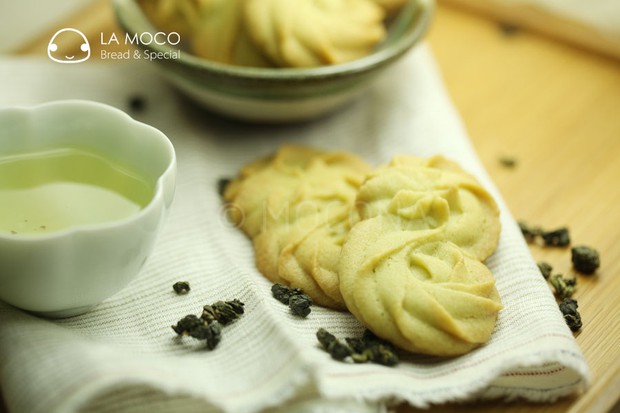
24, 21
593, 24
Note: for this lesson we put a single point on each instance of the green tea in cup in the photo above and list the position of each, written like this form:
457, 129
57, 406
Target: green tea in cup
84, 192
54, 190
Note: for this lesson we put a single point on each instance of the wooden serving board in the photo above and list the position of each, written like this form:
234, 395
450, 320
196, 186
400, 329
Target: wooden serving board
545, 22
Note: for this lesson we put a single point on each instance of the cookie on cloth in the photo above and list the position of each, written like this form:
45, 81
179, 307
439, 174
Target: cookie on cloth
265, 187
297, 206
403, 187
301, 246
415, 289
306, 255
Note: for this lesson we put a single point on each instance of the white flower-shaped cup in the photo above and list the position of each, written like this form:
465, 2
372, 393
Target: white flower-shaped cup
65, 272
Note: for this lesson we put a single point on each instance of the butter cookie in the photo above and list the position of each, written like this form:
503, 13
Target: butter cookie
298, 206
306, 33
417, 290
403, 187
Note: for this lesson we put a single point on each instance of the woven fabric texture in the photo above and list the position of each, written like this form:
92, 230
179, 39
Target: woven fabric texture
123, 356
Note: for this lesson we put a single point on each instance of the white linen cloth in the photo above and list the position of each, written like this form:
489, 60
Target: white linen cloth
123, 356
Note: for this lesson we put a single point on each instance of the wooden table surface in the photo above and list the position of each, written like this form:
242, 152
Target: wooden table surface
555, 109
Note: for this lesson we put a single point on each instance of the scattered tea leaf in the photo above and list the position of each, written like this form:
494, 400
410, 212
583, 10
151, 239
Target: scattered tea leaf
564, 287
508, 161
137, 103
368, 349
298, 302
545, 269
181, 287
222, 183
585, 259
556, 238
568, 307
208, 327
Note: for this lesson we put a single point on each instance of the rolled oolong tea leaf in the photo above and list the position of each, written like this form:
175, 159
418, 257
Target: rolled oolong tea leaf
367, 340
188, 323
336, 348
556, 238
222, 183
530, 233
237, 306
181, 287
358, 345
208, 314
508, 161
300, 305
545, 269
371, 348
339, 351
197, 328
137, 103
585, 259
386, 355
208, 326
368, 349
325, 337
568, 307
223, 312
284, 293
298, 302
211, 333
378, 354
564, 287
509, 29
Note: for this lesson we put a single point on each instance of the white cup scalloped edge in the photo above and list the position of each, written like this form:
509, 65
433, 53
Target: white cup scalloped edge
67, 272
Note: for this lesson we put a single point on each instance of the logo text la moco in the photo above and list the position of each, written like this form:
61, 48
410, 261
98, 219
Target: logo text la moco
144, 39
69, 36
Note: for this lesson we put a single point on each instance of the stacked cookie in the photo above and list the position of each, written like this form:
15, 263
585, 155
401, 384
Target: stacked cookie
401, 247
298, 206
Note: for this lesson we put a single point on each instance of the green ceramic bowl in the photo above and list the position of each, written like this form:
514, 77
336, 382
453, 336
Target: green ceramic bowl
278, 94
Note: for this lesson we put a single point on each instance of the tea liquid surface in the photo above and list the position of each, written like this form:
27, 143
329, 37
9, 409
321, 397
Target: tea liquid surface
55, 190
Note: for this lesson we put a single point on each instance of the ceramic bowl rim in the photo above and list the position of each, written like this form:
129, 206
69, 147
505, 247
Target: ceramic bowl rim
126, 9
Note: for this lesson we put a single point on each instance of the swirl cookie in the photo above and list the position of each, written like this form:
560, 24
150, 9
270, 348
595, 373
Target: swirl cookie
220, 34
403, 188
265, 187
302, 250
415, 289
400, 247
213, 29
306, 254
305, 33
299, 224
172, 15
